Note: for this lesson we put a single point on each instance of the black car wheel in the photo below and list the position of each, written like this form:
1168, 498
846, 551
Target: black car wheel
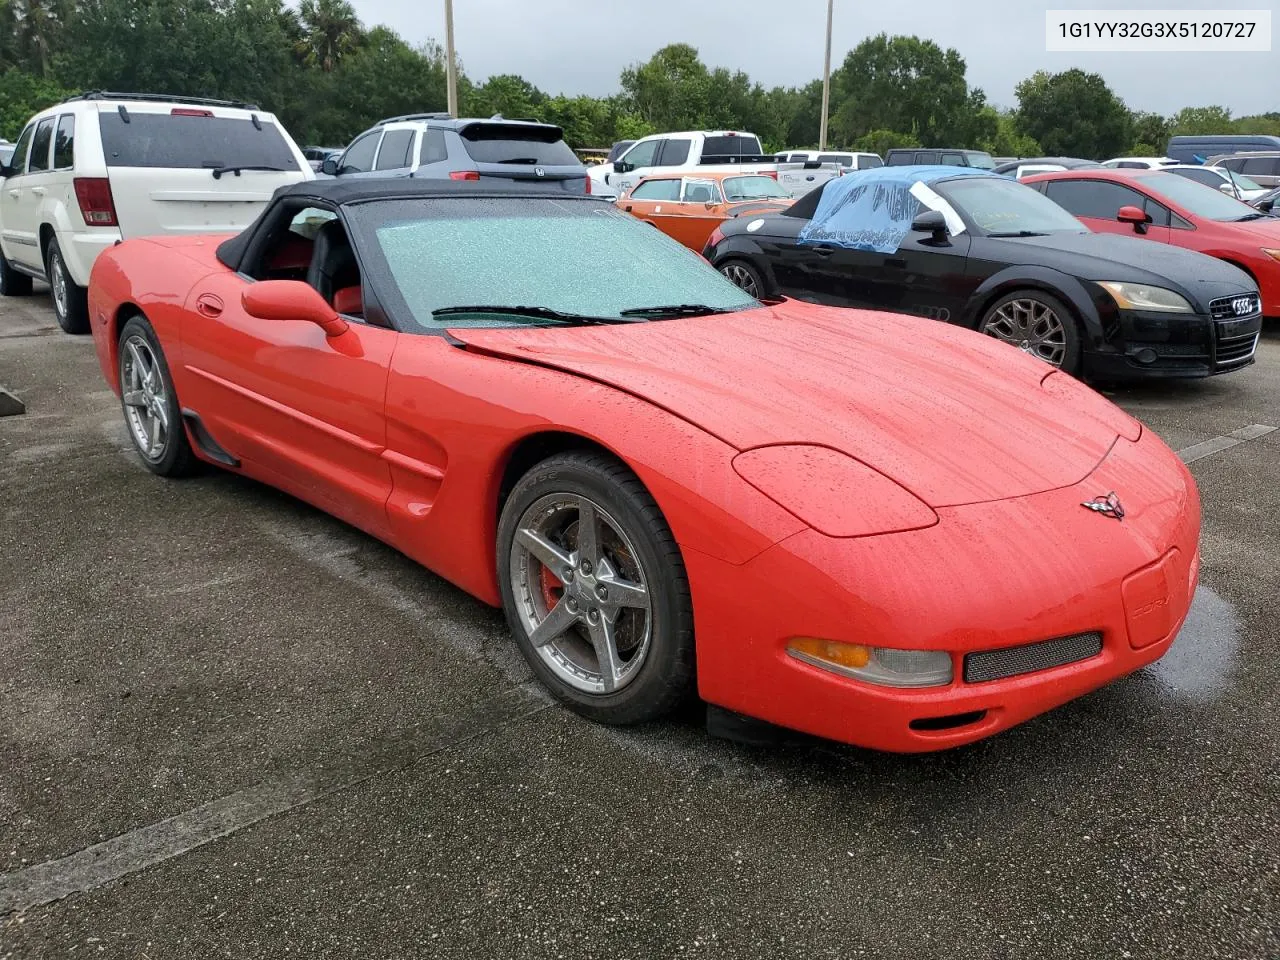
742, 274
1036, 323
70, 301
595, 591
13, 283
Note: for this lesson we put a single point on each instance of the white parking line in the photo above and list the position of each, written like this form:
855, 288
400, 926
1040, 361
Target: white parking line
1206, 448
138, 849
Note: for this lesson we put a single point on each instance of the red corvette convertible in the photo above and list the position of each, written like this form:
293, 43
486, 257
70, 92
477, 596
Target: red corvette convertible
876, 529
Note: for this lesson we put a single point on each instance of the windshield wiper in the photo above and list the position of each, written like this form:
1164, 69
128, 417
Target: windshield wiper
1020, 233
540, 313
1249, 216
219, 171
675, 310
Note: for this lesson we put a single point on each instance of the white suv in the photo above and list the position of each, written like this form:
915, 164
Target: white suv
101, 167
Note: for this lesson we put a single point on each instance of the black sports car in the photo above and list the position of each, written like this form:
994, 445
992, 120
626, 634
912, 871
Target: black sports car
996, 256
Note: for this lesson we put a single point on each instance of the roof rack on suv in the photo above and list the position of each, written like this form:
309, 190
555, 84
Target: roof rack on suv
416, 116
162, 98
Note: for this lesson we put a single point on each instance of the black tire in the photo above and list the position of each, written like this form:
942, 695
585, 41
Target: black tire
13, 283
175, 457
1071, 333
664, 678
71, 305
743, 275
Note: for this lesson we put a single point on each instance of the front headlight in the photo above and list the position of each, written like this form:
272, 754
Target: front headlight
1273, 254
883, 666
1139, 296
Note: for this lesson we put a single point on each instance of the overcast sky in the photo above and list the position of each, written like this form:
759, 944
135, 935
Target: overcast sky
580, 46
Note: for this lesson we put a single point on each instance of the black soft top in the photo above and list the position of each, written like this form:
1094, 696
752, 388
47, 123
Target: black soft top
341, 191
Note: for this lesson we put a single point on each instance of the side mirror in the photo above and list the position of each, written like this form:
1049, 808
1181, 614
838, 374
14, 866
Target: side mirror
1131, 214
931, 221
6, 171
329, 166
1228, 189
291, 300
1266, 206
621, 166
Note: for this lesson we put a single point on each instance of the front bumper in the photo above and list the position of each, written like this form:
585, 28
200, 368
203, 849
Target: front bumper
1141, 345
990, 576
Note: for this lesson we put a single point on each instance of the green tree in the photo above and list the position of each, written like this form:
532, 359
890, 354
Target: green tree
670, 91
21, 95
1151, 133
882, 141
905, 84
1073, 114
1007, 140
507, 94
1199, 121
330, 31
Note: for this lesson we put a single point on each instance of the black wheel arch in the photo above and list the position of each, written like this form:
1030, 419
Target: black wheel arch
1065, 287
745, 248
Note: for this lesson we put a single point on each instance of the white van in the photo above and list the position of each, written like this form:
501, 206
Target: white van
102, 167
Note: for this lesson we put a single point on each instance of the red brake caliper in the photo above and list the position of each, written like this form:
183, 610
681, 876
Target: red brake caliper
552, 588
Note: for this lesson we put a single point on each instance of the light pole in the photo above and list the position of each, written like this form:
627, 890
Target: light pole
451, 70
826, 81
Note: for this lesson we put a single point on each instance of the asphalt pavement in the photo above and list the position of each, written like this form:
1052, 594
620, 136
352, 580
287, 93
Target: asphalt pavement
231, 726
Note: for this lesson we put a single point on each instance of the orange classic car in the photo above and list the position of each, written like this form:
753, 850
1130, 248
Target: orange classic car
688, 208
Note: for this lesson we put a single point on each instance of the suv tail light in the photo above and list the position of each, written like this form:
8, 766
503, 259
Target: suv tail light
188, 112
771, 173
96, 203
464, 174
587, 191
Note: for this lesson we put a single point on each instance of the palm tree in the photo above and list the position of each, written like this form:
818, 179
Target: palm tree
36, 25
330, 29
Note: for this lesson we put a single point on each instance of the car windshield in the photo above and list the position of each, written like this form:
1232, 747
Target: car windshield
1244, 183
1001, 207
753, 188
507, 252
1196, 198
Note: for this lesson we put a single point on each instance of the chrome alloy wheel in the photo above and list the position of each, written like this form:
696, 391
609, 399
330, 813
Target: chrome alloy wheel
145, 401
740, 276
58, 284
580, 593
1031, 326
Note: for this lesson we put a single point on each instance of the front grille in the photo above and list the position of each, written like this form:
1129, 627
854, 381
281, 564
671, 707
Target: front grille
1012, 661
1224, 308
1236, 349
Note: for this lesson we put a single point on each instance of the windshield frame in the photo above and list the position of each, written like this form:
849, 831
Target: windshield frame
389, 300
1001, 181
1152, 181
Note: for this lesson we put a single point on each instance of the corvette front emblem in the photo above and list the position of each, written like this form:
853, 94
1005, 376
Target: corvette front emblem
1108, 506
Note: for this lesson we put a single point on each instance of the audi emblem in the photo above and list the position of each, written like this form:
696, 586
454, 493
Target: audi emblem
1242, 305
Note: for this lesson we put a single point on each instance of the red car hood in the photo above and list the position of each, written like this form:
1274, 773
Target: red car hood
953, 416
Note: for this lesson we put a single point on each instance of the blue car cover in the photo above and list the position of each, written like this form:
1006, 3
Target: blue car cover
873, 209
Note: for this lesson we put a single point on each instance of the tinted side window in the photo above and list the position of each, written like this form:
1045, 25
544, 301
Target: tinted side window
869, 163
1232, 163
19, 162
954, 160
1207, 177
926, 158
674, 153
395, 150
40, 145
1158, 212
642, 154
1093, 198
1132, 165
657, 190
433, 147
1258, 166
731, 147
359, 156
64, 143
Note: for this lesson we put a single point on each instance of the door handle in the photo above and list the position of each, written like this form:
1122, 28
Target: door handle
15, 193
824, 251
896, 262
208, 305
39, 191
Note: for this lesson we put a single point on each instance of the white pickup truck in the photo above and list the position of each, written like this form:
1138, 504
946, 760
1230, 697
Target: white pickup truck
705, 151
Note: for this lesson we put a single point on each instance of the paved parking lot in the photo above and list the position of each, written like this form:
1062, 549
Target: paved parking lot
233, 727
